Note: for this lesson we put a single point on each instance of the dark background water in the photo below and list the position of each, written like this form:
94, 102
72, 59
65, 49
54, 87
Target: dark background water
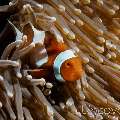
3, 22
4, 2
8, 35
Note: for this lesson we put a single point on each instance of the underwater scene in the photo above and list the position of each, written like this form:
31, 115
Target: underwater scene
59, 59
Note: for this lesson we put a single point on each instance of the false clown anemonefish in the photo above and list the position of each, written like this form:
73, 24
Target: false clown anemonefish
54, 57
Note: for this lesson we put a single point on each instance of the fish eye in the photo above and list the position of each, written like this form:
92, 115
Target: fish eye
68, 64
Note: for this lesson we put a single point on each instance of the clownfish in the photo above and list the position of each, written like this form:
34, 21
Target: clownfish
55, 57
67, 65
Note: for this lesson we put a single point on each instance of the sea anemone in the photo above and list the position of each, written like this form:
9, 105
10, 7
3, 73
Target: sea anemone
91, 28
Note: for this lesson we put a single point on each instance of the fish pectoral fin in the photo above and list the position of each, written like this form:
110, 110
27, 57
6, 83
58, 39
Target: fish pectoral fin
38, 73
